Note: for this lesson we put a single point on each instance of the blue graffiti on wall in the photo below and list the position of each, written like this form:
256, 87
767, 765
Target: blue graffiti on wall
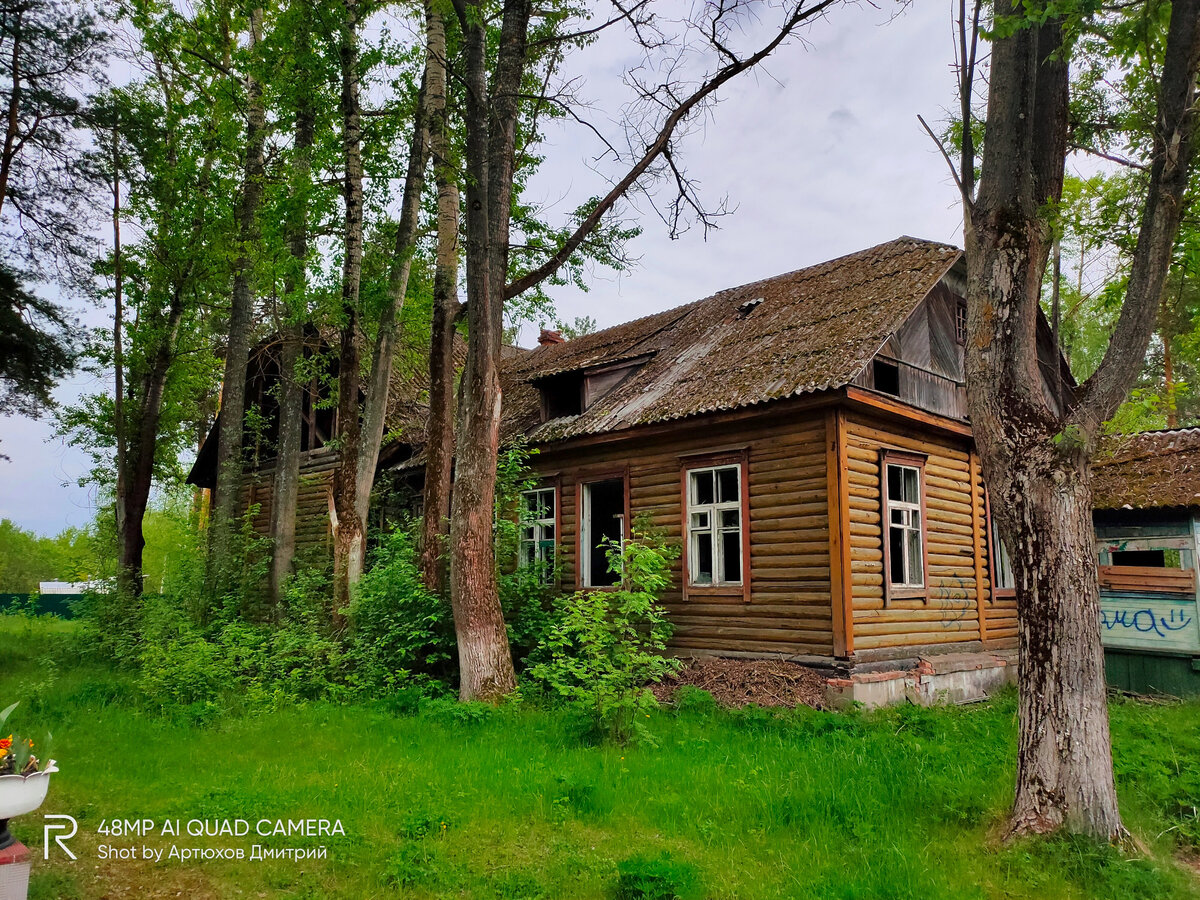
1145, 620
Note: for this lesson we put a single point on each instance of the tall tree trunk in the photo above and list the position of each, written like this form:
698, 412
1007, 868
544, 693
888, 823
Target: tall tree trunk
1036, 461
285, 490
129, 580
348, 526
379, 383
485, 660
233, 400
439, 444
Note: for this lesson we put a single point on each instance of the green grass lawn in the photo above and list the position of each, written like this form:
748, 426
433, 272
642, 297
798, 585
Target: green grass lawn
459, 802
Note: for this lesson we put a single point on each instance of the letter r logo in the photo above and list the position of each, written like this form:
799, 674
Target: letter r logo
61, 825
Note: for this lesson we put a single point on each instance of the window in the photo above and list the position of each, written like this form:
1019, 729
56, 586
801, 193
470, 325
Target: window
562, 395
714, 525
960, 322
1003, 565
904, 515
603, 522
887, 377
537, 531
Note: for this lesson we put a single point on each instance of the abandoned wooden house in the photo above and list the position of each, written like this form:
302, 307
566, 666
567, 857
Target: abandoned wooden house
1147, 517
804, 438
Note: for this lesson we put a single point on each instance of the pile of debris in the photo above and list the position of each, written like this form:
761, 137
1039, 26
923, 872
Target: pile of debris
740, 682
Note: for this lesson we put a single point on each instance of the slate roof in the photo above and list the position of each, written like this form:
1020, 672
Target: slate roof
815, 328
1151, 469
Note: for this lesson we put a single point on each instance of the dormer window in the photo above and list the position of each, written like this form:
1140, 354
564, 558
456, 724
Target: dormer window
562, 395
570, 393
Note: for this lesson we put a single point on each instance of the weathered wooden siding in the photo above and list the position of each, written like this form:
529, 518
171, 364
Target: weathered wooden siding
788, 611
949, 612
313, 532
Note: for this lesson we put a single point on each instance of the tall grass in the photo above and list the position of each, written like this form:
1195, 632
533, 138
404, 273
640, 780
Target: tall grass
468, 802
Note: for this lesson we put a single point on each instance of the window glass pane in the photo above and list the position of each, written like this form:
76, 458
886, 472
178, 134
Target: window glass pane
527, 533
896, 555
915, 575
548, 533
548, 504
893, 483
731, 548
699, 520
702, 487
730, 518
702, 553
912, 487
727, 485
897, 517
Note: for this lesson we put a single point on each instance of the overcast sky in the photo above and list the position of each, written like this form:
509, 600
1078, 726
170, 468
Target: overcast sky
819, 155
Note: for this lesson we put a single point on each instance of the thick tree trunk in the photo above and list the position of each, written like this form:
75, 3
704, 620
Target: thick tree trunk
285, 490
485, 661
439, 445
1064, 755
233, 400
1036, 459
348, 526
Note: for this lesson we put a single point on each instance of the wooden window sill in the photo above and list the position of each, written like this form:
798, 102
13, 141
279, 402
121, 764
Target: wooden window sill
715, 590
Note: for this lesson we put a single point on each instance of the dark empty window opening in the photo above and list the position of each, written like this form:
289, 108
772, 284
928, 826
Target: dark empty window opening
1156, 559
603, 522
562, 396
960, 322
887, 377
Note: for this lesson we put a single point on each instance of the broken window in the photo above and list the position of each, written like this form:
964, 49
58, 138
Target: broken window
714, 522
1003, 565
905, 528
562, 395
537, 532
603, 524
887, 377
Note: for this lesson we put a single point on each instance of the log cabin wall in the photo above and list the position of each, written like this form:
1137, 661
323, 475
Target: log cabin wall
313, 532
955, 545
788, 607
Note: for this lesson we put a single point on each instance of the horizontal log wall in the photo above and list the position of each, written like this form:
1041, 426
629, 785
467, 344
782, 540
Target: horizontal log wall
313, 534
949, 613
788, 611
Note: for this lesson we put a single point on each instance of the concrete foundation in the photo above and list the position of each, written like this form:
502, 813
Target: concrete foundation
951, 678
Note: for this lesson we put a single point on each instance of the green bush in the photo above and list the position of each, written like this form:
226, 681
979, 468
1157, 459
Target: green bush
655, 878
607, 645
398, 628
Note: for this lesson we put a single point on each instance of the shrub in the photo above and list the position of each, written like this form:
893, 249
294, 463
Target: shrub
655, 878
398, 628
608, 645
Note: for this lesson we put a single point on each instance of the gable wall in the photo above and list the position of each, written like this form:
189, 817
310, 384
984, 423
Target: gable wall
789, 610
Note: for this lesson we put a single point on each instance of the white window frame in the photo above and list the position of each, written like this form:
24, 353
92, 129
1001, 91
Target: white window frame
913, 520
714, 527
542, 556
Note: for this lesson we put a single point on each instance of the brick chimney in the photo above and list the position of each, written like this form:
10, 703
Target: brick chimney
550, 337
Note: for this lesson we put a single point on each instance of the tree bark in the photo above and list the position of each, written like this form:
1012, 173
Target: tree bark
348, 528
379, 383
485, 660
1036, 460
285, 490
233, 399
439, 444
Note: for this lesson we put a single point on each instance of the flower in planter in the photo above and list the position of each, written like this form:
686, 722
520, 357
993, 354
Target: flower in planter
16, 753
